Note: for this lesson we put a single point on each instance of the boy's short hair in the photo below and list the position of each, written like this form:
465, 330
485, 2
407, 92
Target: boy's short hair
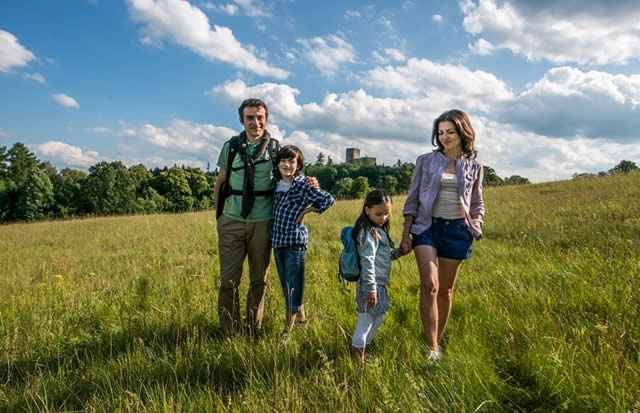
254, 103
291, 152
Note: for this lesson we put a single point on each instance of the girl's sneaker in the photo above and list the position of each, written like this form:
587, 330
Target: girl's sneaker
302, 324
434, 357
285, 337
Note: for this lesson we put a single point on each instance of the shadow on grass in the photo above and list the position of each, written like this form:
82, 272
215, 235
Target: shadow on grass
142, 357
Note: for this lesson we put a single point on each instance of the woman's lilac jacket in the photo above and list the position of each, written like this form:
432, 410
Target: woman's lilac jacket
425, 185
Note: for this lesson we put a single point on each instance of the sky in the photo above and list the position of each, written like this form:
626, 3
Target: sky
552, 87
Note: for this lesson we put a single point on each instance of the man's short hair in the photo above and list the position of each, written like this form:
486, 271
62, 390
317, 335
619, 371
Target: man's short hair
254, 103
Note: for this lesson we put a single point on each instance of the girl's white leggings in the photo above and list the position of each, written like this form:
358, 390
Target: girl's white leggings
366, 328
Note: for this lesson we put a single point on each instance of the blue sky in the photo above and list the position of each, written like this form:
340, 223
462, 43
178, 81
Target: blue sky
552, 87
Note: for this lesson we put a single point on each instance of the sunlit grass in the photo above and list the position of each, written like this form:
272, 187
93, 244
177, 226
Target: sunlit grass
120, 313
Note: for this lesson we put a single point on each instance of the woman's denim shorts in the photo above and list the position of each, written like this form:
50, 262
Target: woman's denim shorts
450, 237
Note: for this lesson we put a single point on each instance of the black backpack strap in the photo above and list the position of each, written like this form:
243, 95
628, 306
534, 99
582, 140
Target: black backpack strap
274, 148
234, 147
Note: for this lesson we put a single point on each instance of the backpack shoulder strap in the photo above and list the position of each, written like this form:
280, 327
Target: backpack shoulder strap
274, 148
234, 146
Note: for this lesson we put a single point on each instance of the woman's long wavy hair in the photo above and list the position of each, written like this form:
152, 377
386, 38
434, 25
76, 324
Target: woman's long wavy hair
373, 198
463, 128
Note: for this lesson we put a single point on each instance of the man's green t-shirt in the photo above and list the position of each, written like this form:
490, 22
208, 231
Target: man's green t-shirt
263, 181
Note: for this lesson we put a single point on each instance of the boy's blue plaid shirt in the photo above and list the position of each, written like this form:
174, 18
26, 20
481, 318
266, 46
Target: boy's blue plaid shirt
288, 205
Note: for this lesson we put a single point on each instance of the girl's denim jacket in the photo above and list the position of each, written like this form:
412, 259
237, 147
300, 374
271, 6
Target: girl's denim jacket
425, 185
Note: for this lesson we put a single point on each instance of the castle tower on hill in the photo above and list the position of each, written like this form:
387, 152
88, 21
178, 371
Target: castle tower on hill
353, 154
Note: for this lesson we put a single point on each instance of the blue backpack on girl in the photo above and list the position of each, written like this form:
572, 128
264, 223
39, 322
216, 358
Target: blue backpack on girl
349, 261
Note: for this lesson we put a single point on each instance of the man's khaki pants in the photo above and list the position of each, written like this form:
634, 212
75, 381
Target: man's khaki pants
236, 240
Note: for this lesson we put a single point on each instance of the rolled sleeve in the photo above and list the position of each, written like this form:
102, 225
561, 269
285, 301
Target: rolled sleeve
319, 199
367, 247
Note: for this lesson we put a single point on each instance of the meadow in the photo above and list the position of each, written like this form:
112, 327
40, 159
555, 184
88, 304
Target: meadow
119, 313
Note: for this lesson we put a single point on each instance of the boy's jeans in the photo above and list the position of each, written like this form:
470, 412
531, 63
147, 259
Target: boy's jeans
290, 262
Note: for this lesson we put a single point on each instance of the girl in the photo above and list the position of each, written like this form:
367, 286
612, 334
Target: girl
371, 236
443, 213
289, 237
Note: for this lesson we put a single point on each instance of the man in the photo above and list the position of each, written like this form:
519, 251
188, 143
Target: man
244, 228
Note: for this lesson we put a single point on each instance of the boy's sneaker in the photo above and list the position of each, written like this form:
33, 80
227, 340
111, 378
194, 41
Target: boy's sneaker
434, 357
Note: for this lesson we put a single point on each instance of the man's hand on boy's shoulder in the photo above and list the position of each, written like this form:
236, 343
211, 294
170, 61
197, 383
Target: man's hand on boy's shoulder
312, 182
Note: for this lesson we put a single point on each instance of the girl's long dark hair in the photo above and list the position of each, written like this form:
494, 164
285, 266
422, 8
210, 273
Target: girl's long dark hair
375, 197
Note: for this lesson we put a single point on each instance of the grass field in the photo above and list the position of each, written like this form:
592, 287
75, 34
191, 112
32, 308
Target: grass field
119, 313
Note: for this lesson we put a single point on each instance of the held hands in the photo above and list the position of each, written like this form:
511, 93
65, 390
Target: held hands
371, 299
405, 244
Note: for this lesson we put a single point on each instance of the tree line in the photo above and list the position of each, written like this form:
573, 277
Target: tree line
31, 189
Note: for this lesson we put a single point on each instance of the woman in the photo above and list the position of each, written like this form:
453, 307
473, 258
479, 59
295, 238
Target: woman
443, 213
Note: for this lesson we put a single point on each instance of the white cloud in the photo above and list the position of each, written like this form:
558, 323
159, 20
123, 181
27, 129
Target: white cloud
354, 114
588, 32
183, 138
386, 23
35, 76
482, 47
3, 132
408, 5
70, 155
351, 13
253, 8
395, 54
450, 85
514, 151
12, 53
328, 53
99, 129
188, 26
437, 18
65, 100
391, 129
230, 8
389, 55
568, 102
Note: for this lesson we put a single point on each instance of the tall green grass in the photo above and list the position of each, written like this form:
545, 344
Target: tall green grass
120, 314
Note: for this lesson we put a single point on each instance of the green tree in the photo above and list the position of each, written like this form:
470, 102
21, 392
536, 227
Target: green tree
320, 159
35, 197
491, 178
342, 188
516, 180
201, 191
110, 189
329, 161
22, 161
4, 157
140, 176
68, 194
173, 184
4, 184
360, 187
388, 183
624, 167
150, 201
